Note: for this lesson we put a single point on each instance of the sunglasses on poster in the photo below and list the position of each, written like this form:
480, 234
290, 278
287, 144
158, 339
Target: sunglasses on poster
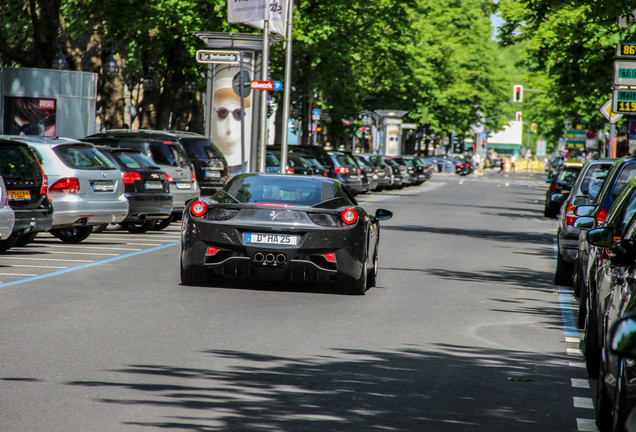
223, 112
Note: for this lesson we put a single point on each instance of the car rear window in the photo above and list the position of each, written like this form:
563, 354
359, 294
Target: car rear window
261, 189
568, 175
17, 161
345, 160
199, 148
168, 153
133, 160
83, 157
594, 178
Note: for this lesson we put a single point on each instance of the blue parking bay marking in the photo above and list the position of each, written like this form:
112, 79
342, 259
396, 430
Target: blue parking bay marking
567, 312
85, 266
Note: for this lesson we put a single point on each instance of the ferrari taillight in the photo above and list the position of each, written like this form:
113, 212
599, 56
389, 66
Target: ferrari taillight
330, 257
349, 216
198, 208
211, 251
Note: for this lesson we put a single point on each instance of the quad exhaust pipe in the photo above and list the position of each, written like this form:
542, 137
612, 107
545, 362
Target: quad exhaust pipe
270, 258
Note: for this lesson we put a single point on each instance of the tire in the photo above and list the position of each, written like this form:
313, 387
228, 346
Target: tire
139, 227
576, 279
163, 223
354, 286
548, 212
73, 234
563, 272
9, 242
602, 405
194, 276
99, 228
25, 239
582, 312
620, 411
592, 349
373, 274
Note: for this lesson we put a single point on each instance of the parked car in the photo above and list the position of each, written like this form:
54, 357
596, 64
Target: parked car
272, 163
348, 172
371, 171
332, 238
168, 154
85, 187
622, 344
409, 176
419, 167
296, 164
562, 184
317, 152
27, 192
398, 173
386, 178
584, 191
7, 215
595, 293
145, 188
319, 169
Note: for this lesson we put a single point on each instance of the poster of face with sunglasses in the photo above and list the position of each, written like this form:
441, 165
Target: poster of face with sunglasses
226, 118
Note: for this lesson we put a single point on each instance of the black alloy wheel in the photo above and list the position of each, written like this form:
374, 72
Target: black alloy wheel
139, 227
163, 223
582, 312
9, 242
25, 239
602, 405
563, 272
194, 276
592, 349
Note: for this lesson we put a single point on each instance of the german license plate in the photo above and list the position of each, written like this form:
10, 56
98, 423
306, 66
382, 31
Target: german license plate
273, 239
19, 195
103, 185
353, 176
213, 174
183, 185
154, 185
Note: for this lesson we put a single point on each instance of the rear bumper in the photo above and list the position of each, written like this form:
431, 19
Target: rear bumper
73, 209
148, 206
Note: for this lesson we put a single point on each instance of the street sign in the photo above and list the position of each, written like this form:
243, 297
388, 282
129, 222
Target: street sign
575, 138
315, 114
210, 56
625, 73
632, 136
610, 115
236, 83
278, 85
624, 101
626, 49
262, 85
625, 20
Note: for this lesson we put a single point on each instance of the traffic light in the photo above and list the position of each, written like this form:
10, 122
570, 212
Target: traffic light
533, 128
518, 116
517, 94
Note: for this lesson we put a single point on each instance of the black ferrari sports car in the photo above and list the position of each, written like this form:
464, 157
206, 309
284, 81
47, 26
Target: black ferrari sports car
290, 227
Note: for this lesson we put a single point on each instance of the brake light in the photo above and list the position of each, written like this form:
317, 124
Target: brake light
198, 208
552, 188
289, 170
349, 216
330, 257
45, 185
211, 251
131, 177
342, 170
601, 215
65, 185
169, 178
570, 217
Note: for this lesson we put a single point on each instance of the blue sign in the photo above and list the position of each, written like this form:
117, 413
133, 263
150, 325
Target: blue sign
632, 130
278, 85
315, 112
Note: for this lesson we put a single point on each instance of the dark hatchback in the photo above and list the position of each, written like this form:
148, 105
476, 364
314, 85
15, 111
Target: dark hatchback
561, 183
317, 152
348, 172
145, 188
27, 191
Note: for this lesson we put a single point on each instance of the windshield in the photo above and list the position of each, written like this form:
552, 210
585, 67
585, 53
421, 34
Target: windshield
200, 149
168, 153
17, 161
133, 160
83, 157
628, 173
274, 190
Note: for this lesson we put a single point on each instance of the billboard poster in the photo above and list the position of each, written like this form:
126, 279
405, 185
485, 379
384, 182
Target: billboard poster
29, 116
254, 13
228, 132
392, 145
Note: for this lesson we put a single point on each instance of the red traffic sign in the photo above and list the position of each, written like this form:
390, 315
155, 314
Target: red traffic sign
262, 85
590, 134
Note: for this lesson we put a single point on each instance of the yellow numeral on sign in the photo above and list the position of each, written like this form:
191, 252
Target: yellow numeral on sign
629, 49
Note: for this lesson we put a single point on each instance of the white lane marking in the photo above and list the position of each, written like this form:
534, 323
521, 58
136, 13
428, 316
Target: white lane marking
37, 266
84, 246
576, 364
89, 253
572, 339
144, 244
586, 425
580, 383
16, 274
4, 258
583, 402
171, 237
574, 351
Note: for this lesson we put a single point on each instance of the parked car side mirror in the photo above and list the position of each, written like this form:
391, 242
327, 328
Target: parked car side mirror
558, 198
585, 210
622, 253
623, 336
602, 237
579, 200
584, 223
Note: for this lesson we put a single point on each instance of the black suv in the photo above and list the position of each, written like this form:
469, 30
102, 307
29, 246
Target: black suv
27, 190
317, 152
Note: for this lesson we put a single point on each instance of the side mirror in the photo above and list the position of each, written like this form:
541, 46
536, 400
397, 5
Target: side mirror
382, 214
579, 200
602, 237
623, 336
558, 198
584, 223
622, 253
585, 210
548, 180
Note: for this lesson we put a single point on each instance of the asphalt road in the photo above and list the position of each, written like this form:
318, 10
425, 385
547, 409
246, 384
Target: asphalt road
464, 332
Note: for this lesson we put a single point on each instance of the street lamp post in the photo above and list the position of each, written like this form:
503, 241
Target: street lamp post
110, 67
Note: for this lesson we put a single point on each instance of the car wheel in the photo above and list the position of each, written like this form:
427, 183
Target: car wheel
139, 227
25, 239
354, 286
193, 276
576, 278
548, 212
9, 242
592, 349
602, 406
163, 223
582, 312
563, 272
72, 234
99, 228
621, 410
373, 274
